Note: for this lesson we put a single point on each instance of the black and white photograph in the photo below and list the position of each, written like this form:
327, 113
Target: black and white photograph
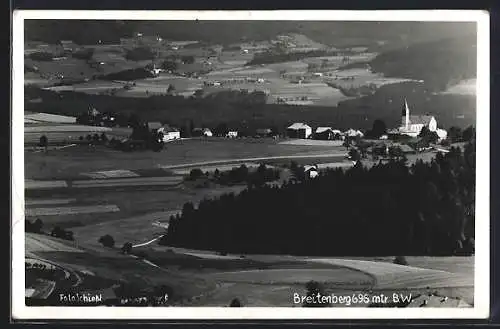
245, 165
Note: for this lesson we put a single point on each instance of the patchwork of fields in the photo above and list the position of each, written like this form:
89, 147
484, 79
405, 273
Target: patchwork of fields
225, 65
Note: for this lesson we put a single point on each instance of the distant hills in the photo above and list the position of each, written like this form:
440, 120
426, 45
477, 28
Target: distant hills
440, 64
383, 35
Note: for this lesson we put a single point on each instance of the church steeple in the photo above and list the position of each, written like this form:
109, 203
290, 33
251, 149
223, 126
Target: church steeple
405, 115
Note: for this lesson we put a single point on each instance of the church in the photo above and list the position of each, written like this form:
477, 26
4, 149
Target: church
411, 125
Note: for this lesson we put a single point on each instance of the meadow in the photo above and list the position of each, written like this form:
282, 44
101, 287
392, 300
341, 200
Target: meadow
73, 161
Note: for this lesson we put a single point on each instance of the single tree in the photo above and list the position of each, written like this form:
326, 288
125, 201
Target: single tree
314, 294
354, 154
195, 173
127, 248
235, 303
107, 241
378, 129
44, 142
38, 225
427, 136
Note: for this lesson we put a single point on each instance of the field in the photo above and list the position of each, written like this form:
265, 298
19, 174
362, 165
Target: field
269, 280
69, 163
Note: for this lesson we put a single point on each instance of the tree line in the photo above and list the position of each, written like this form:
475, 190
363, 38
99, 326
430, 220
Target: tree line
389, 209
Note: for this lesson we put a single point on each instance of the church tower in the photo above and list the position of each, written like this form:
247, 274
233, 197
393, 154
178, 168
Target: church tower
405, 116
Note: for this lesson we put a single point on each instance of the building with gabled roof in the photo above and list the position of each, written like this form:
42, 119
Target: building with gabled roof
327, 133
299, 130
169, 133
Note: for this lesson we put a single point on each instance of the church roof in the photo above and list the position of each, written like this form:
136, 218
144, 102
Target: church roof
421, 119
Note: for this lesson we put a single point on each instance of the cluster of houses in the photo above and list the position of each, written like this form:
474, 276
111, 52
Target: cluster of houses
411, 125
304, 131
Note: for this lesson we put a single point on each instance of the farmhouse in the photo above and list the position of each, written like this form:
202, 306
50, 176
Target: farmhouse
169, 133
299, 130
327, 133
198, 132
353, 133
311, 171
412, 125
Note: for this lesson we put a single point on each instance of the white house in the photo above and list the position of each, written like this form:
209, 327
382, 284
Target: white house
353, 133
232, 134
299, 130
169, 133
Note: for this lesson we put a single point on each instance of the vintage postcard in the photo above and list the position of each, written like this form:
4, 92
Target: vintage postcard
250, 165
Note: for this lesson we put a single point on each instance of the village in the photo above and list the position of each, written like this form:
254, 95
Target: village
416, 133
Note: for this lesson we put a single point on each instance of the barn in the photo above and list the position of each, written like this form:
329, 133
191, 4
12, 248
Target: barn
299, 130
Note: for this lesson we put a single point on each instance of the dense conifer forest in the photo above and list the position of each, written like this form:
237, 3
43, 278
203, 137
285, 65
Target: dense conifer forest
389, 209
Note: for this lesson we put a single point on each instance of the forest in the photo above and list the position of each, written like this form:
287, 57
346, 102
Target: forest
389, 209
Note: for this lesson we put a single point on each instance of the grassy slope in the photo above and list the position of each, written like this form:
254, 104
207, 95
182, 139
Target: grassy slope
110, 264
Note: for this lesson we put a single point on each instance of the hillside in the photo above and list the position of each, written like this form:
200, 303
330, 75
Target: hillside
439, 63
334, 33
